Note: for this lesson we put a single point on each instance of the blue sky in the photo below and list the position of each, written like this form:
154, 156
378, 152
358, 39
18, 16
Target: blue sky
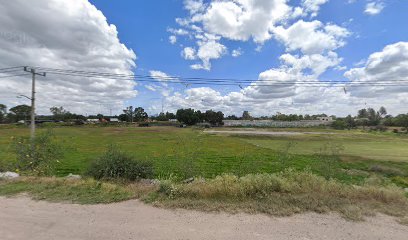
143, 25
280, 40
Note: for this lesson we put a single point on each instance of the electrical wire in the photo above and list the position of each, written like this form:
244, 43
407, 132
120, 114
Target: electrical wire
187, 81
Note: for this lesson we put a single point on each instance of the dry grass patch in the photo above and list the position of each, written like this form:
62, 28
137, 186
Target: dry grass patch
281, 195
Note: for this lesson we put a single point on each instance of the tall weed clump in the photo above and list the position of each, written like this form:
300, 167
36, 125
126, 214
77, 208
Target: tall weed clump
39, 155
116, 164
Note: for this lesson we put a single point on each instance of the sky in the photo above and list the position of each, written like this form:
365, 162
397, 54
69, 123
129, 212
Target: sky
281, 41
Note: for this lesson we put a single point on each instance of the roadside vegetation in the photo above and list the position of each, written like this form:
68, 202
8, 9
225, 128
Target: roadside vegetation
355, 172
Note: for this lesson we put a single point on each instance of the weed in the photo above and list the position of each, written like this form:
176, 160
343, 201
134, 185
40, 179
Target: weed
39, 155
115, 164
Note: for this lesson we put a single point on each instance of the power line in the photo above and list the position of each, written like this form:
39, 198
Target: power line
131, 76
16, 75
221, 81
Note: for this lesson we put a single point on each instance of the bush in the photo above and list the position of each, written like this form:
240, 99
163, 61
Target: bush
38, 155
116, 164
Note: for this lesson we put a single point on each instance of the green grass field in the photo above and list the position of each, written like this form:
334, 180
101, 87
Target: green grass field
191, 152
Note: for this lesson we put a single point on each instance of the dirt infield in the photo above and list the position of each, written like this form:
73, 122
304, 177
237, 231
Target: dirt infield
22, 218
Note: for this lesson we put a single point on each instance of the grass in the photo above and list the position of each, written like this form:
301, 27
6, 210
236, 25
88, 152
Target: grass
190, 152
282, 194
279, 194
86, 191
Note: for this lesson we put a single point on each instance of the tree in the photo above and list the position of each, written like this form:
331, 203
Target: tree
130, 113
232, 117
134, 114
20, 112
215, 118
188, 116
339, 124
402, 121
349, 121
3, 112
362, 113
140, 114
59, 113
382, 111
246, 116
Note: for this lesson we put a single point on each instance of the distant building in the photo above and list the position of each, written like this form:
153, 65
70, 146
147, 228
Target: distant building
325, 119
115, 120
92, 120
172, 120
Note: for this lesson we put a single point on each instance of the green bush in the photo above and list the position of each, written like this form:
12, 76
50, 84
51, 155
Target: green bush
116, 164
39, 155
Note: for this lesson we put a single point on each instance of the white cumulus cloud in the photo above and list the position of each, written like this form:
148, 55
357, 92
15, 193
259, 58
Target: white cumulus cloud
374, 8
68, 35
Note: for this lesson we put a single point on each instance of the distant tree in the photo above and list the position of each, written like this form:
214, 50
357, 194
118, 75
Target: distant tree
59, 113
349, 122
307, 117
232, 117
188, 116
130, 113
389, 120
246, 116
124, 117
382, 111
162, 117
215, 118
170, 115
362, 113
339, 124
3, 112
402, 121
140, 114
20, 112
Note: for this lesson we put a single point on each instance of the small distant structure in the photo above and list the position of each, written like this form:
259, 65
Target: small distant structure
172, 120
114, 120
92, 120
325, 119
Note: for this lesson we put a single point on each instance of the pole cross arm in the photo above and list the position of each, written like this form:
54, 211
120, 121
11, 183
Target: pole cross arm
33, 71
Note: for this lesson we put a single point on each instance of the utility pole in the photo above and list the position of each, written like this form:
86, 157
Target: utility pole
33, 73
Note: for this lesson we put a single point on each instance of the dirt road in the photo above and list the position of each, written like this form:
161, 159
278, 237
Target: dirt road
22, 218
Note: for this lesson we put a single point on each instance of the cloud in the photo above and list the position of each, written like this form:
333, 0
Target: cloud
207, 50
172, 39
311, 37
159, 75
318, 63
389, 65
374, 8
189, 53
313, 6
236, 52
67, 35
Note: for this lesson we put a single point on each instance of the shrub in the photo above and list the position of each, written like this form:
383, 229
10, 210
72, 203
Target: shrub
38, 155
116, 164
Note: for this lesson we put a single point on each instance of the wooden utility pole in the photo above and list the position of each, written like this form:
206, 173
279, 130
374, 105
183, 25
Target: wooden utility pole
34, 73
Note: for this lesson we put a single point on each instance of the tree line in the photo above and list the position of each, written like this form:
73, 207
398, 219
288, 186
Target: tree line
366, 117
369, 117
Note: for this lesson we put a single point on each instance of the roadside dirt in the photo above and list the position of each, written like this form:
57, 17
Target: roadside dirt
22, 218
